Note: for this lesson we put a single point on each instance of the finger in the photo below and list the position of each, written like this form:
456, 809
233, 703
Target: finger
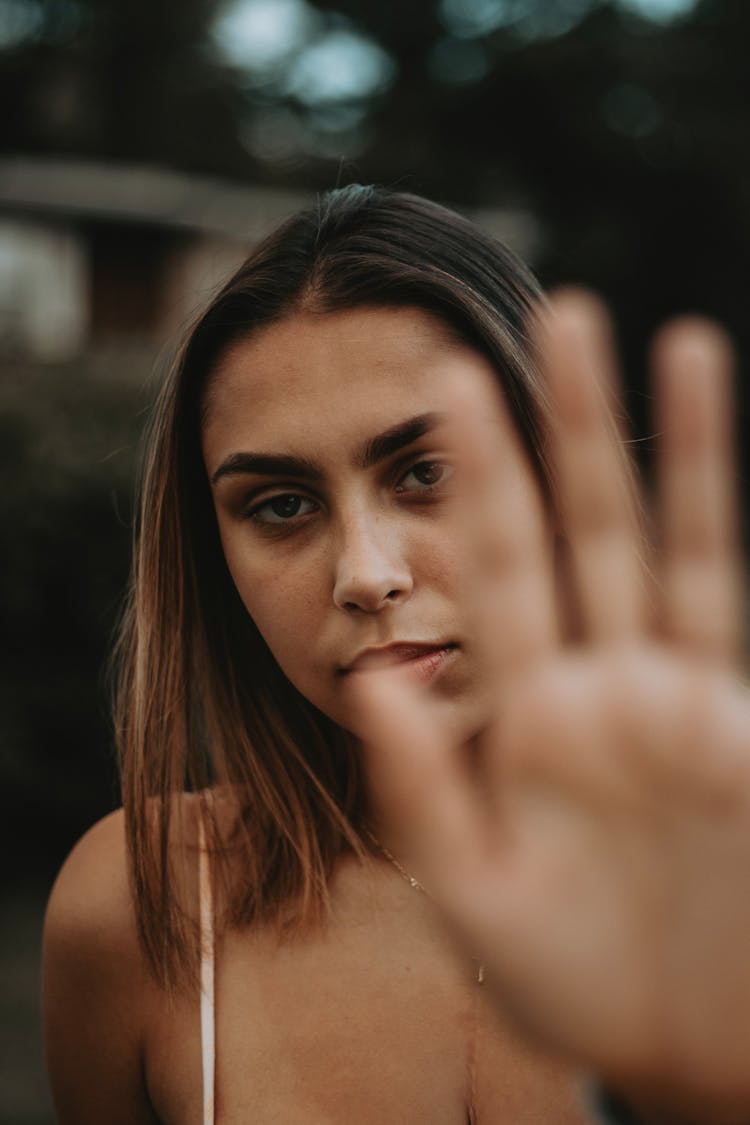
594, 480
502, 537
507, 535
422, 798
701, 564
580, 301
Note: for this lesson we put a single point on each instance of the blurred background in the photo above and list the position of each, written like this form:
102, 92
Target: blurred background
146, 144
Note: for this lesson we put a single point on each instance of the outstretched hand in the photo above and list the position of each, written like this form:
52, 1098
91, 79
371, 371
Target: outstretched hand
593, 848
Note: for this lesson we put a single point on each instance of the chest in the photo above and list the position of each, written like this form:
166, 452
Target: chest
378, 1021
373, 1030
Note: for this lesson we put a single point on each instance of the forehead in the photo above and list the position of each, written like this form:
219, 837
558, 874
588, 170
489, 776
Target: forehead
342, 375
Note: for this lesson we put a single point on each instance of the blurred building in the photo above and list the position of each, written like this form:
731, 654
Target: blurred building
96, 256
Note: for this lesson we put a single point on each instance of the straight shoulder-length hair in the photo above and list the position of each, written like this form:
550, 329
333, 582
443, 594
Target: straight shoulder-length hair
202, 708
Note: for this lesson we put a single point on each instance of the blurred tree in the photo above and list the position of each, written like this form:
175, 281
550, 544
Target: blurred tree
126, 79
68, 436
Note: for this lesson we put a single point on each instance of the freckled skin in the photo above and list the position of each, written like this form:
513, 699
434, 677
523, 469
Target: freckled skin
369, 556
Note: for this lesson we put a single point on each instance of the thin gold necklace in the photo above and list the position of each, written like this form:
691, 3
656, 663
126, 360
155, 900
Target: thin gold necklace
410, 879
415, 883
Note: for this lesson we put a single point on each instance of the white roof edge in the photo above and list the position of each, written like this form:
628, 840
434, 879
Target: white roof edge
133, 193
141, 193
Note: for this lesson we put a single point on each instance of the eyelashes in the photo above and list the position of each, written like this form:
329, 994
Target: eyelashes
286, 510
428, 474
282, 508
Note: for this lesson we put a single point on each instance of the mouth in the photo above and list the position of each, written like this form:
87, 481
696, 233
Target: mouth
420, 660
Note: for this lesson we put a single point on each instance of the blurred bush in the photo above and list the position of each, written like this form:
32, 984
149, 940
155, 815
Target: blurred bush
68, 442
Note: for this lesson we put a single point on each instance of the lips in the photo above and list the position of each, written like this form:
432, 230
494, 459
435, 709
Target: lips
425, 654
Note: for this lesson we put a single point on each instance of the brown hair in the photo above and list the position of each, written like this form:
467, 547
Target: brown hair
201, 703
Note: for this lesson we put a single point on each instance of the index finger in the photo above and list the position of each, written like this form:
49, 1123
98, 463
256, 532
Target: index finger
594, 479
424, 804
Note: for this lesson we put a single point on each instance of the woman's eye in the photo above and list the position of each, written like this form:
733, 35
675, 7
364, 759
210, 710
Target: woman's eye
282, 509
426, 474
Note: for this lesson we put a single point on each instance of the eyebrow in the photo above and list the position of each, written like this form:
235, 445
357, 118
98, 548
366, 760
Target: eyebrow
395, 438
266, 465
374, 450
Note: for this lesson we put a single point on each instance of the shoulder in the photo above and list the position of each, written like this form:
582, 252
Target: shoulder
91, 917
101, 849
90, 925
90, 914
96, 987
93, 887
90, 905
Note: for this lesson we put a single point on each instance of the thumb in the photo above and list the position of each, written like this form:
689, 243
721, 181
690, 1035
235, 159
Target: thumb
417, 777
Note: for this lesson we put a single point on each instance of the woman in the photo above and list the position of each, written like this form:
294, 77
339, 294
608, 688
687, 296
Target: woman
348, 480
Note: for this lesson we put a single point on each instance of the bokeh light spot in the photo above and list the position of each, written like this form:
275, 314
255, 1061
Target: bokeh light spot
259, 35
20, 21
340, 66
660, 11
540, 19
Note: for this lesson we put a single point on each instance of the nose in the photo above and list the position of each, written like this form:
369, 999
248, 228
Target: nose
370, 570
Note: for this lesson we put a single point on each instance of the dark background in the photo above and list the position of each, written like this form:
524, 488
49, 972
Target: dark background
612, 135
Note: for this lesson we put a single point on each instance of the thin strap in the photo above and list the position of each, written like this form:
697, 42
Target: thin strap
474, 1047
208, 1027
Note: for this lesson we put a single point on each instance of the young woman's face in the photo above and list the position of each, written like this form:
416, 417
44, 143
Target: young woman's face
344, 500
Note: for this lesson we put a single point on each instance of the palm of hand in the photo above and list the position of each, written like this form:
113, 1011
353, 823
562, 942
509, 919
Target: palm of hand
601, 868
621, 846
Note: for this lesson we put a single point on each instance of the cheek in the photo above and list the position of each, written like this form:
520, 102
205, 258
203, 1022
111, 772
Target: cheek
280, 598
444, 567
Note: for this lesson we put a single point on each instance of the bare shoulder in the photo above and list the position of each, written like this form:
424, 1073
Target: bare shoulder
93, 883
90, 924
96, 988
91, 900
